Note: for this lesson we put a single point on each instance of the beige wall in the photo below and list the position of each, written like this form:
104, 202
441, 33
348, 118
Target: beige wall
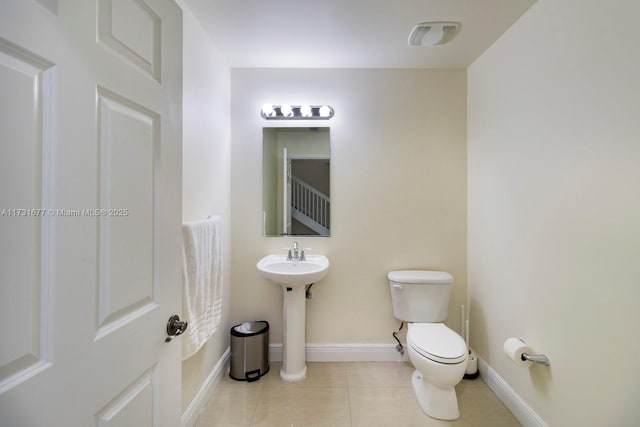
554, 204
206, 173
398, 189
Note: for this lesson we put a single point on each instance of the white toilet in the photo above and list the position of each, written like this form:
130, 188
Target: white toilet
439, 355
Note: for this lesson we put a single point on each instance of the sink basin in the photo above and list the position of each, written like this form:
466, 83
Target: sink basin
278, 270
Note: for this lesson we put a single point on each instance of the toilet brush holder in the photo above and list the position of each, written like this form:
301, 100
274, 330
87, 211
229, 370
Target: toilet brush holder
471, 372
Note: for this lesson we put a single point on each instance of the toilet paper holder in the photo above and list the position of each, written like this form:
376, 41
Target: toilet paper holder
536, 358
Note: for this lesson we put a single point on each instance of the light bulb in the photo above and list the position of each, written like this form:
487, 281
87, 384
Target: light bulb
286, 110
305, 111
325, 111
267, 110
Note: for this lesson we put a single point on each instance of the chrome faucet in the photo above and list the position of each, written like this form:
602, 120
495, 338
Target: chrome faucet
295, 254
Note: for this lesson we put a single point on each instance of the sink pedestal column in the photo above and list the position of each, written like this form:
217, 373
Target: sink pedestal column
294, 309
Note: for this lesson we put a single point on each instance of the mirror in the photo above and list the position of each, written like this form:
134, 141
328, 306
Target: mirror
296, 194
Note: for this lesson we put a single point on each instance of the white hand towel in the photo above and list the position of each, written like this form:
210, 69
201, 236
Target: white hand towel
202, 282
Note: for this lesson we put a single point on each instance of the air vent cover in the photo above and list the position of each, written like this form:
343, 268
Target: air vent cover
433, 33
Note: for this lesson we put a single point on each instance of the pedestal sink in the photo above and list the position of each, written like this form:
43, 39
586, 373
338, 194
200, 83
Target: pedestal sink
293, 276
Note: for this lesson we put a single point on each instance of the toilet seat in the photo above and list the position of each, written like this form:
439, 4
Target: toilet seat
437, 342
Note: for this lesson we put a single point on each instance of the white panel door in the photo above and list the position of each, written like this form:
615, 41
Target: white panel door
90, 181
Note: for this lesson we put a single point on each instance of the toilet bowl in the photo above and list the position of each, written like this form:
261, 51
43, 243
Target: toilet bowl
421, 298
440, 358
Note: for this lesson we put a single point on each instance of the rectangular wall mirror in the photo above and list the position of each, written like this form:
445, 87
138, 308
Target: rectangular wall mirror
295, 182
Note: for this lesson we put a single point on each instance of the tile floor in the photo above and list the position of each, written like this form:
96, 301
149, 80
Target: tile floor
345, 394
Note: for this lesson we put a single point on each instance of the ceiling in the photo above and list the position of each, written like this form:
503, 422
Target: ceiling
351, 33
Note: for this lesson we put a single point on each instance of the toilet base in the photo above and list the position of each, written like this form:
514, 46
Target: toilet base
435, 401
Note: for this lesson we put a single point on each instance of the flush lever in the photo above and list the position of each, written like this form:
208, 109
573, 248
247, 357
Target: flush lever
175, 327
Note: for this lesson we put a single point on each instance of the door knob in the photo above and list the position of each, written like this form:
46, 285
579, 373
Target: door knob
175, 327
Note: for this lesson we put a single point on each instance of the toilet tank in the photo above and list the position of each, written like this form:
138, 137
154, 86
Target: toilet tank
420, 296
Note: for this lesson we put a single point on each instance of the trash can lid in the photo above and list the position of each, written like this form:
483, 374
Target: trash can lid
248, 329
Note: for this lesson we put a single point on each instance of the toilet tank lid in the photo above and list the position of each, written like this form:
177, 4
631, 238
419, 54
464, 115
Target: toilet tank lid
420, 276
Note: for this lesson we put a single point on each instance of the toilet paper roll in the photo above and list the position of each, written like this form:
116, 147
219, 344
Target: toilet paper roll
514, 348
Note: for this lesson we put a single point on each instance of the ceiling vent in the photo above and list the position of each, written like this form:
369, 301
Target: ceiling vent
433, 33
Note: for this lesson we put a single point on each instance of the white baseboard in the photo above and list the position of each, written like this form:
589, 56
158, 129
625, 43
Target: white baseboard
345, 353
201, 398
508, 396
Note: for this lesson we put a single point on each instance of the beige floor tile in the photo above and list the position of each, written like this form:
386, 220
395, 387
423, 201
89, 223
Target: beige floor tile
345, 394
379, 374
318, 375
479, 407
232, 404
388, 406
302, 406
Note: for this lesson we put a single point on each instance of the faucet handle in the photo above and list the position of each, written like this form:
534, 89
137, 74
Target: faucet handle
302, 257
289, 256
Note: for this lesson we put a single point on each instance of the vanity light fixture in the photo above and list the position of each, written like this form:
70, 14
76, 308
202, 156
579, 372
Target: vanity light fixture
296, 112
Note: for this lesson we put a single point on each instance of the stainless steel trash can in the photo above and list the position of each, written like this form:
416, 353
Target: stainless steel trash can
249, 351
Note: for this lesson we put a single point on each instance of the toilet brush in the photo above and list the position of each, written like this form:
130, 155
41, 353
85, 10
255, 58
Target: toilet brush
472, 361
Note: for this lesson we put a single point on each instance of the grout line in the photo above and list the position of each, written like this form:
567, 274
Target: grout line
346, 379
255, 409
